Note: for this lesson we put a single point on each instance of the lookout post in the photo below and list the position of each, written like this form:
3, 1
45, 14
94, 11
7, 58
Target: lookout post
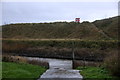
77, 20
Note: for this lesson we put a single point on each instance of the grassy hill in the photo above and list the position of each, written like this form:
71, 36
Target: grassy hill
99, 29
108, 26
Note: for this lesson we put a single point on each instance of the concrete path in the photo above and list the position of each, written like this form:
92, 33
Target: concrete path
60, 70
61, 73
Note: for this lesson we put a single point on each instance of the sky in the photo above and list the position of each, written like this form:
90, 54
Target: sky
44, 11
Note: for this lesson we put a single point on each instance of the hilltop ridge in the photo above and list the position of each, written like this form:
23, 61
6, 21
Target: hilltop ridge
97, 30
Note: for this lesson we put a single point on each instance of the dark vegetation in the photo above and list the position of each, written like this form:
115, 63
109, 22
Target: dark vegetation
112, 63
87, 50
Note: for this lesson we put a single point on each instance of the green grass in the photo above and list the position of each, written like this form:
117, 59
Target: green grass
94, 72
0, 70
21, 70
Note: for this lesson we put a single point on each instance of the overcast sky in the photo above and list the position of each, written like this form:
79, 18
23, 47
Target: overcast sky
37, 12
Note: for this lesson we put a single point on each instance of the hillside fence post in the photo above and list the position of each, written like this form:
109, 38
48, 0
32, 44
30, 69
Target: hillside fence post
73, 55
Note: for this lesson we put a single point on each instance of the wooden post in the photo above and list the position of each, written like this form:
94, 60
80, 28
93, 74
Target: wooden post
73, 55
84, 62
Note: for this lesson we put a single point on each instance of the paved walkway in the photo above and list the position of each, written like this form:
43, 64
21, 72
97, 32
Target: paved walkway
60, 70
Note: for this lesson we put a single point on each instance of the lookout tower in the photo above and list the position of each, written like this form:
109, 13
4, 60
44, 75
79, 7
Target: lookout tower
77, 20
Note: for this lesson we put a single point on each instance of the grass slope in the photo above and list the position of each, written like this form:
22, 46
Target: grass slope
63, 30
20, 70
109, 26
57, 30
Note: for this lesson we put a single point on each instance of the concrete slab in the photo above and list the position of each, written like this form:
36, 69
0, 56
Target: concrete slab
61, 73
59, 70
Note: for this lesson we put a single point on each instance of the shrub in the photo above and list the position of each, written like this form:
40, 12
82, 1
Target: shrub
77, 63
12, 46
39, 63
18, 59
112, 63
